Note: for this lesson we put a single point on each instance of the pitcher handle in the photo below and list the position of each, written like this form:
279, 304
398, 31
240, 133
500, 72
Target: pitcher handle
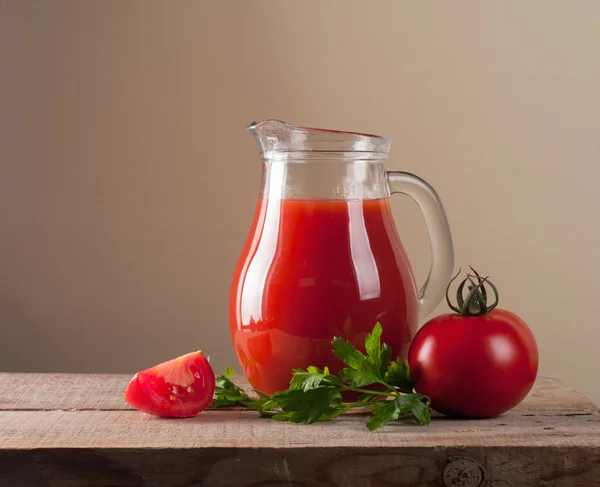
440, 239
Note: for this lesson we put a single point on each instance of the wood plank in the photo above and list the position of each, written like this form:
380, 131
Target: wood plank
104, 392
318, 467
70, 430
45, 392
245, 429
549, 394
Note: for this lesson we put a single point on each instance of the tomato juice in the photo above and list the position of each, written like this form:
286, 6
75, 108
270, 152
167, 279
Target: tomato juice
312, 270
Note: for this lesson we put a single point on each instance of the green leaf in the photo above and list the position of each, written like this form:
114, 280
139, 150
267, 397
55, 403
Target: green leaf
386, 354
398, 375
366, 370
421, 413
265, 404
282, 416
373, 343
333, 412
301, 406
348, 354
363, 400
330, 413
358, 378
313, 377
229, 372
227, 393
259, 403
261, 394
383, 412
378, 355
221, 403
413, 403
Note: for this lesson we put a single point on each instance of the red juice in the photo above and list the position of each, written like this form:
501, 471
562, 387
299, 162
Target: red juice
312, 270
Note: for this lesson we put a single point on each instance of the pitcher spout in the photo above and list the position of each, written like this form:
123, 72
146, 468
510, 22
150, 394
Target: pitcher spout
277, 136
273, 135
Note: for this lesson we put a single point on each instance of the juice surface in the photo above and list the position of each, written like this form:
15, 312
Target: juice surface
312, 270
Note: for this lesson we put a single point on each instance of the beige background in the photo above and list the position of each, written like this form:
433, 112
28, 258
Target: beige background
128, 181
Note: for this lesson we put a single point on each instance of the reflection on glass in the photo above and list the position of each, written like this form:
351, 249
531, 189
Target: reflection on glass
365, 268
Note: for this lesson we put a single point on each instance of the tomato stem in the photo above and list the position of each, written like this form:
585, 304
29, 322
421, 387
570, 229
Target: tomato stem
475, 303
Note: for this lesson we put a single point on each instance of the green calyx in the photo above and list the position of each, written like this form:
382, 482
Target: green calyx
475, 303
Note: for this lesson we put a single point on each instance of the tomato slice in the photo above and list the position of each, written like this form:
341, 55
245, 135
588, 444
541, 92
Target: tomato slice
178, 388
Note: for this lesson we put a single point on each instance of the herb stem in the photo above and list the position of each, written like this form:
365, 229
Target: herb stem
371, 393
350, 405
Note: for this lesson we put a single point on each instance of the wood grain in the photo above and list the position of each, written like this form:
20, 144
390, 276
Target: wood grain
45, 392
104, 392
243, 429
75, 430
317, 467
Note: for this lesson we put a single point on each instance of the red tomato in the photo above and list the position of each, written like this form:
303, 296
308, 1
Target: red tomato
179, 388
474, 366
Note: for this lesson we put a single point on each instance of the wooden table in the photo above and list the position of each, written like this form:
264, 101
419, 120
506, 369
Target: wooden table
75, 430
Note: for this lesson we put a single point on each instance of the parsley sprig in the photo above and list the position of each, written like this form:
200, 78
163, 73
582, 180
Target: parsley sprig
227, 393
315, 394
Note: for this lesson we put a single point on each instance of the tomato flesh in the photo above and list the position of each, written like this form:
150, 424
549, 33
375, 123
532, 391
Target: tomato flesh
178, 388
475, 366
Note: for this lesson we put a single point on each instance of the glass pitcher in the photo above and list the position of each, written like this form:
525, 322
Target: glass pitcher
323, 257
